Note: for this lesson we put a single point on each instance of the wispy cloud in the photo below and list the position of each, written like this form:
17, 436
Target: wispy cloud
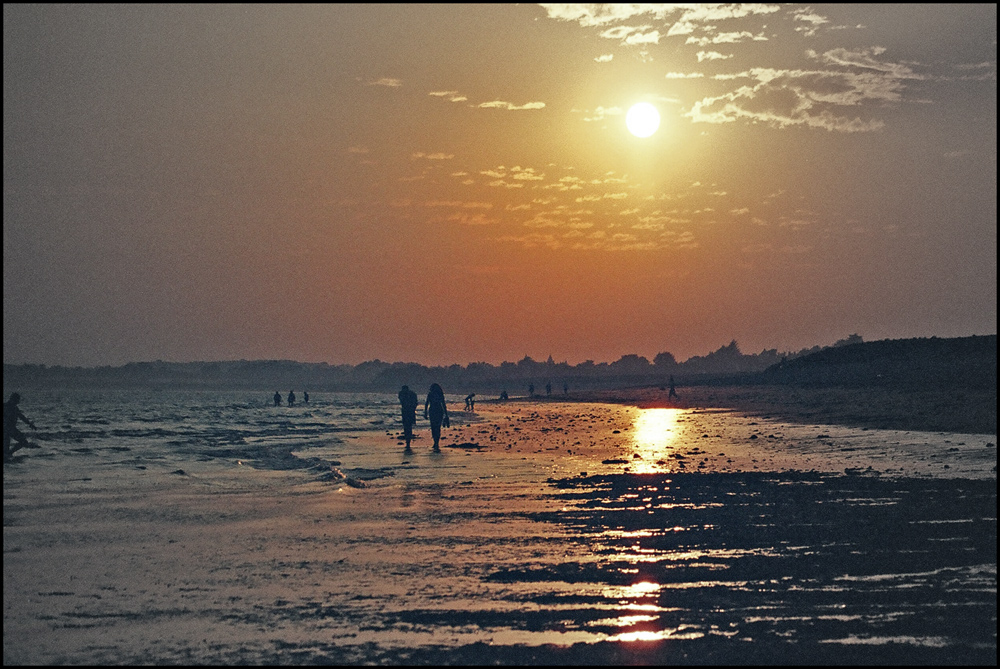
464, 218
712, 55
387, 81
812, 20
810, 98
605, 58
601, 113
726, 38
500, 104
432, 156
459, 204
596, 15
453, 96
633, 34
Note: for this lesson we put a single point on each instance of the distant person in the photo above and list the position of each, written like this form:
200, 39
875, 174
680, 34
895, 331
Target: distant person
565, 388
408, 402
672, 395
436, 410
277, 398
12, 414
503, 394
305, 397
291, 398
531, 389
470, 402
548, 388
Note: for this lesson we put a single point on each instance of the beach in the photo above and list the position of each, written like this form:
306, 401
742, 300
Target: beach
591, 530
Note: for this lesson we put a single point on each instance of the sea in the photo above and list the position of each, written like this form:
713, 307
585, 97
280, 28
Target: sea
179, 526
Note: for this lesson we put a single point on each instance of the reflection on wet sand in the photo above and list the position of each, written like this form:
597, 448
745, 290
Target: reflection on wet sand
654, 431
539, 534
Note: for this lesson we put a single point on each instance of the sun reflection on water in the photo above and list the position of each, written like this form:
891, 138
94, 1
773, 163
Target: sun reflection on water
654, 432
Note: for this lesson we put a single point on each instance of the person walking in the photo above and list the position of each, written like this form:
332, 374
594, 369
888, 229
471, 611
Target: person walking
12, 414
408, 403
436, 410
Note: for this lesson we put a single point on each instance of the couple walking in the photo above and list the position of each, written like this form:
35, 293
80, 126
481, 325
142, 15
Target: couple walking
435, 410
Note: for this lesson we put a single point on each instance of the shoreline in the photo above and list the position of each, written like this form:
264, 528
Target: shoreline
960, 412
541, 533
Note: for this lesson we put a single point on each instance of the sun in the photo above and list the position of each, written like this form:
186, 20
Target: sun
642, 119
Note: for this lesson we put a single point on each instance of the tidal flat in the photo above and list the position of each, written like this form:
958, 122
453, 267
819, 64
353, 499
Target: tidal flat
548, 532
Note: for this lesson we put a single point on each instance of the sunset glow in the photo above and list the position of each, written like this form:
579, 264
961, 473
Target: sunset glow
446, 184
653, 433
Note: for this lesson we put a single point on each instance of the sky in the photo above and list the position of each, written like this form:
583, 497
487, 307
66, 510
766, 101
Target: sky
455, 183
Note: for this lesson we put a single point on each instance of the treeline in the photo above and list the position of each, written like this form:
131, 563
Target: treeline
379, 376
929, 364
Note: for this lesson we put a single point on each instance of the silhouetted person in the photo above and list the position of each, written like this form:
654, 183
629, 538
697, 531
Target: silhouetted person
305, 397
436, 410
565, 388
548, 388
531, 389
291, 398
503, 394
673, 389
12, 414
470, 401
408, 402
277, 398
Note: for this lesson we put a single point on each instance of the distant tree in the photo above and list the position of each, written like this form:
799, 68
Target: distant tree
664, 360
630, 364
850, 339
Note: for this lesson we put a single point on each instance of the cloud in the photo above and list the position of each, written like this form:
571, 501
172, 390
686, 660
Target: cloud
605, 58
459, 204
808, 16
683, 75
696, 15
432, 156
810, 98
517, 173
712, 55
526, 174
471, 219
652, 37
726, 38
532, 240
633, 34
500, 104
600, 113
387, 81
453, 96
595, 15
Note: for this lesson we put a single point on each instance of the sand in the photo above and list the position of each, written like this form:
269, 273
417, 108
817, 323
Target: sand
543, 532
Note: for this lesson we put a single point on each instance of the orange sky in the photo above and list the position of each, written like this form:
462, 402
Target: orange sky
455, 183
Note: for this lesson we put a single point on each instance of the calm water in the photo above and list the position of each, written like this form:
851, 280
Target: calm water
136, 427
482, 555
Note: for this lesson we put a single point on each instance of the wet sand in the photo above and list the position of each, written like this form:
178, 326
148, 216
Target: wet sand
542, 533
970, 410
